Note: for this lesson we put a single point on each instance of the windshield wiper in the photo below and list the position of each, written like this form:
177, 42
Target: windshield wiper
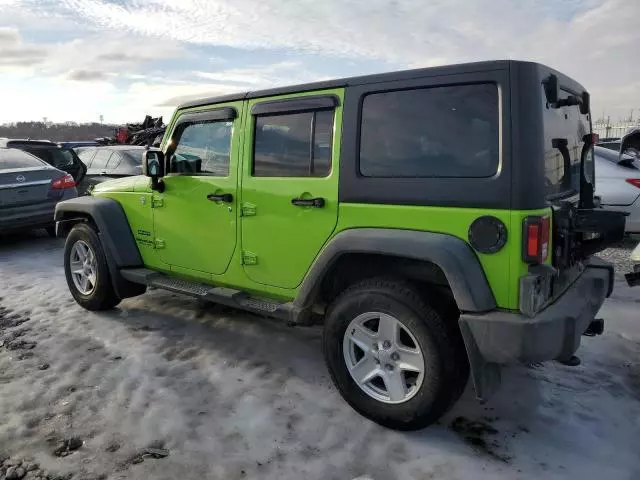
552, 92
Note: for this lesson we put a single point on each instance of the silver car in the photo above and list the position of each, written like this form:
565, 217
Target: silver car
29, 191
618, 184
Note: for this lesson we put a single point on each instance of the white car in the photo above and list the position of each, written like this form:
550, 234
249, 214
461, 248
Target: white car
618, 184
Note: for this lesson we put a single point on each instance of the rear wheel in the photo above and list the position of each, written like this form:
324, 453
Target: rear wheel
392, 356
86, 269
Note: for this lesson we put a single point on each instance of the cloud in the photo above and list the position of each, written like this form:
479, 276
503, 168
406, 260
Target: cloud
87, 76
264, 75
13, 53
594, 41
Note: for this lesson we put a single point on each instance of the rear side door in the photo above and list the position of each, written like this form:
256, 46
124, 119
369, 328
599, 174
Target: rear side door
195, 217
289, 184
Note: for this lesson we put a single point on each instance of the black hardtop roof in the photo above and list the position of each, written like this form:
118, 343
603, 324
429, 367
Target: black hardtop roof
368, 79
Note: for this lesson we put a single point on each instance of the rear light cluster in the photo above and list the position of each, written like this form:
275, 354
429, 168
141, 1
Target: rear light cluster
63, 182
536, 236
634, 181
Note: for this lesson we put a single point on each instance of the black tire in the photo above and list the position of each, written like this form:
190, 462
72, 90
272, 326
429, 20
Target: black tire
51, 231
103, 296
438, 338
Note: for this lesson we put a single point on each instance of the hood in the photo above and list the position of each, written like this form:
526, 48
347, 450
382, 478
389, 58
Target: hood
125, 184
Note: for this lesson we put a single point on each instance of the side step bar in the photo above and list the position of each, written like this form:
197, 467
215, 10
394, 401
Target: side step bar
224, 296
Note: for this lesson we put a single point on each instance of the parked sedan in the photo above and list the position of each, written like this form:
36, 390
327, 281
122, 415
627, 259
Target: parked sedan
618, 184
29, 191
64, 159
105, 163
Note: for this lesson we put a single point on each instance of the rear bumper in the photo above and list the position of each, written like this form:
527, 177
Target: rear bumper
505, 338
19, 219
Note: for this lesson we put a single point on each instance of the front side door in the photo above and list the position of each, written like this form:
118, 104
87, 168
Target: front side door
289, 184
195, 215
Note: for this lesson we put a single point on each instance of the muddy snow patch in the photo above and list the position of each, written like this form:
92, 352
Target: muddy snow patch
165, 387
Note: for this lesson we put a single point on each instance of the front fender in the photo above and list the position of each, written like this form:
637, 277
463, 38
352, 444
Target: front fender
112, 223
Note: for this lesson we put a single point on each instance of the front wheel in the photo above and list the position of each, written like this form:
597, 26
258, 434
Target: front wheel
86, 269
391, 356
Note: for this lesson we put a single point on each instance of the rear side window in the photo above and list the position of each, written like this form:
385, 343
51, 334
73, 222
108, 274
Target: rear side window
450, 131
12, 158
293, 145
58, 157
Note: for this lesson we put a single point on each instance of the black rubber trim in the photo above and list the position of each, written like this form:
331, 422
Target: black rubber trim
224, 113
296, 105
112, 224
455, 257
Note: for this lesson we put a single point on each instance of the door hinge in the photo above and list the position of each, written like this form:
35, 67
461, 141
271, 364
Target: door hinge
248, 209
249, 258
158, 243
156, 202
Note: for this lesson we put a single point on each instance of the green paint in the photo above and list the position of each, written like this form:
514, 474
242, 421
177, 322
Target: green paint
135, 200
260, 242
284, 237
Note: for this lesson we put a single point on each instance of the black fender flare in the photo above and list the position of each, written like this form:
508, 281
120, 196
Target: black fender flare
452, 255
114, 232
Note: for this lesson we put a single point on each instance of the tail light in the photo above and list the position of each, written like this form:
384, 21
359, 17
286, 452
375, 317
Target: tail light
536, 239
63, 182
634, 181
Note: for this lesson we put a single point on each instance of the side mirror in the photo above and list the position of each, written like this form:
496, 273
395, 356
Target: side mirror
153, 166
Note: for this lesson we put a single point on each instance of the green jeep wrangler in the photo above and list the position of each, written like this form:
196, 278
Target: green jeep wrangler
437, 222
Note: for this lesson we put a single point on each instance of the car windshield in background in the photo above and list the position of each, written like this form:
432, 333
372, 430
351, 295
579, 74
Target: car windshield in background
610, 145
13, 158
58, 157
135, 155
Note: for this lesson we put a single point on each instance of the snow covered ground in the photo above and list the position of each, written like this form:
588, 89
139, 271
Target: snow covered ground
231, 395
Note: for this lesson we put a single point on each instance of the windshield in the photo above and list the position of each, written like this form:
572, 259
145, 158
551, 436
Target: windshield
564, 131
58, 157
135, 156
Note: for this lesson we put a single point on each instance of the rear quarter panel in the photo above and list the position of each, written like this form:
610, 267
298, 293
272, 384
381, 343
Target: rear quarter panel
502, 269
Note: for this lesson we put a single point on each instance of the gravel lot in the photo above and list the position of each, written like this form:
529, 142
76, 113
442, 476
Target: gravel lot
166, 387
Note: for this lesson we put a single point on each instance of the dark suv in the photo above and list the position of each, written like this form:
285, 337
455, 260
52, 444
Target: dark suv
64, 159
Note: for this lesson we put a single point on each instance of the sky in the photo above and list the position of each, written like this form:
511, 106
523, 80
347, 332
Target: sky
77, 60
